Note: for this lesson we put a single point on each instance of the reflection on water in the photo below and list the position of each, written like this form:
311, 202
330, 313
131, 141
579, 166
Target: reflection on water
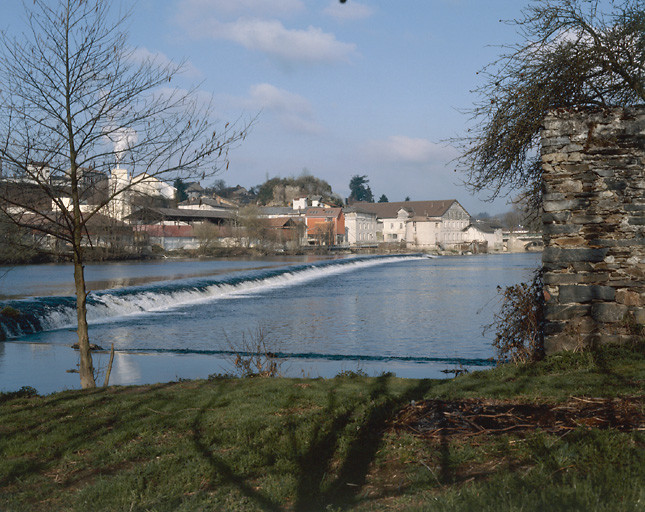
125, 369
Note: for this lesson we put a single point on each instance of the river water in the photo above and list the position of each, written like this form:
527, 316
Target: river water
411, 315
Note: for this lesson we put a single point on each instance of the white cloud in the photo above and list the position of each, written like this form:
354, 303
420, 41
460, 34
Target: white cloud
274, 39
348, 11
292, 110
407, 150
142, 54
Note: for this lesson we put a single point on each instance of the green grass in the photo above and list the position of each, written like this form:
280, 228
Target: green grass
324, 444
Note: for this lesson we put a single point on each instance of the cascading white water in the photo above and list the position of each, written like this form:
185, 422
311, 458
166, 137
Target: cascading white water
111, 306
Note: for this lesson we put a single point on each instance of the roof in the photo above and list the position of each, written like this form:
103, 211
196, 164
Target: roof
208, 201
281, 222
278, 210
194, 187
484, 226
167, 231
184, 214
357, 209
416, 208
323, 212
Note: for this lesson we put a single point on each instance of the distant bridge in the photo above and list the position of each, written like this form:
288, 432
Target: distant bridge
521, 241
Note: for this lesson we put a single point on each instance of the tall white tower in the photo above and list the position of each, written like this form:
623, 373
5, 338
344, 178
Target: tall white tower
120, 207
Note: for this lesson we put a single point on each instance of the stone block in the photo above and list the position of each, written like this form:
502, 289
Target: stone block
548, 218
575, 168
564, 313
555, 141
625, 242
551, 328
634, 207
560, 342
639, 316
585, 293
587, 219
608, 312
558, 254
568, 241
554, 196
617, 185
629, 298
560, 278
567, 204
561, 229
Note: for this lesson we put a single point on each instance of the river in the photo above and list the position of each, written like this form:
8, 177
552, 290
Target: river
411, 315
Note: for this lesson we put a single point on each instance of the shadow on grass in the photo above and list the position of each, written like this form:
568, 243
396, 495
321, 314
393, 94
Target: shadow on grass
73, 421
353, 471
332, 462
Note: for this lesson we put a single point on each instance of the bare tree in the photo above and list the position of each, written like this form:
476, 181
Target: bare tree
75, 101
573, 53
253, 226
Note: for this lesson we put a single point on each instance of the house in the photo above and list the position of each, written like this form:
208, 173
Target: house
175, 228
207, 203
285, 231
132, 191
360, 227
298, 209
480, 232
325, 226
169, 237
194, 190
420, 224
272, 212
154, 215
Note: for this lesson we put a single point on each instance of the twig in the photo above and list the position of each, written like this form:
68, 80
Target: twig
431, 472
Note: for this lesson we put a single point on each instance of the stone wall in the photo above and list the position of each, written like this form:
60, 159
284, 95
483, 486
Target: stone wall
594, 227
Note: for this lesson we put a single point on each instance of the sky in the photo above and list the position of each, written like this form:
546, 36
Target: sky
369, 87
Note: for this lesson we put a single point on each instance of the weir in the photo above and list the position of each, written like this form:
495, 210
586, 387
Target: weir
40, 314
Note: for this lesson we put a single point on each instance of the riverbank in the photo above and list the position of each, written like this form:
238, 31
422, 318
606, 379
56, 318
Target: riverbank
101, 255
350, 442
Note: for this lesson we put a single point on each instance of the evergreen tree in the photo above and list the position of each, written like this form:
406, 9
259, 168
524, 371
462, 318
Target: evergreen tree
180, 188
360, 190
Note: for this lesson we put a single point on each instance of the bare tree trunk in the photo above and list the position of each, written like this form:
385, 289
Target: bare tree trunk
86, 368
106, 383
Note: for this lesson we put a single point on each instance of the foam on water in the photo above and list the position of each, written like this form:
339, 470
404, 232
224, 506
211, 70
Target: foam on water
49, 313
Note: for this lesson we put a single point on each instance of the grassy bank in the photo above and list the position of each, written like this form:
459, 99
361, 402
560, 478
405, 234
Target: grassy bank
335, 444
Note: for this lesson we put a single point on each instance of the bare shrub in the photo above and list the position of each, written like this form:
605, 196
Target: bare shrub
519, 324
253, 356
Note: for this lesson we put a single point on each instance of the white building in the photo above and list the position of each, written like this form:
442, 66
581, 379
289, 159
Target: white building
360, 227
126, 188
484, 232
421, 224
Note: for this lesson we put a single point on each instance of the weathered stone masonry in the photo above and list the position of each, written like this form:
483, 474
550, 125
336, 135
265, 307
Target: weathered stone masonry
594, 226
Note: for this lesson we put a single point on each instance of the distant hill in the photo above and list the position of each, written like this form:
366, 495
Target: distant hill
282, 191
